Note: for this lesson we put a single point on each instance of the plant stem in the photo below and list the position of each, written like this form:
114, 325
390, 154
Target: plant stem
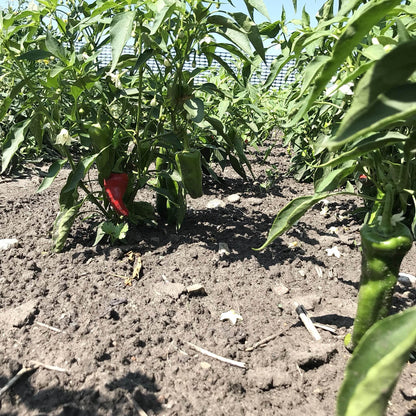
387, 209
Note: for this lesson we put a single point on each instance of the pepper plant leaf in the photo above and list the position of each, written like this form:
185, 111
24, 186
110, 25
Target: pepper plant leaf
401, 62
376, 365
328, 180
395, 106
62, 226
259, 6
366, 145
53, 171
357, 27
194, 106
120, 32
291, 213
14, 140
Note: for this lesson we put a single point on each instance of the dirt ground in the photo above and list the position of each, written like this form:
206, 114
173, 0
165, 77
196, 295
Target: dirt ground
130, 349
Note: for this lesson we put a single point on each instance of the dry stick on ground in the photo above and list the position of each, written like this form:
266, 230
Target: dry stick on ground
217, 357
300, 310
15, 379
34, 365
262, 342
52, 328
49, 367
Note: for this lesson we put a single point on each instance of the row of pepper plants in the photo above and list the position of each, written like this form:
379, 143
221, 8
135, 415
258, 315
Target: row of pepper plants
140, 126
351, 119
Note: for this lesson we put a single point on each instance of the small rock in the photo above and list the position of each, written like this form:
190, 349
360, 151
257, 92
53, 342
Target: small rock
280, 289
21, 315
223, 249
8, 243
407, 279
173, 290
215, 203
196, 290
205, 365
255, 201
233, 198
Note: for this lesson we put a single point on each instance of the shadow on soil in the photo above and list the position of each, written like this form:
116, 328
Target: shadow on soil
124, 396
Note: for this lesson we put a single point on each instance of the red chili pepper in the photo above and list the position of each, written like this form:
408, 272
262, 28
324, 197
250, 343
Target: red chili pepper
115, 187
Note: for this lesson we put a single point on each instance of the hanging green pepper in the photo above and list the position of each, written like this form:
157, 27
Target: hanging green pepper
189, 166
382, 255
101, 138
172, 209
161, 200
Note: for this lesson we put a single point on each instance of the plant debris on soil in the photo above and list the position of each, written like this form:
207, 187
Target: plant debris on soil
126, 329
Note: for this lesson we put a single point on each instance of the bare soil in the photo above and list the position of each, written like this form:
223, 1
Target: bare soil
128, 349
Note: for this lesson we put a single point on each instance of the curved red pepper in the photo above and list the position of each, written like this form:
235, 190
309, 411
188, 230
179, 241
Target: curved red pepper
115, 187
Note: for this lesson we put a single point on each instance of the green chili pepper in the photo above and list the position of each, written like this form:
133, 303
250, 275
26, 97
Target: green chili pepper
172, 209
101, 138
189, 166
161, 200
382, 254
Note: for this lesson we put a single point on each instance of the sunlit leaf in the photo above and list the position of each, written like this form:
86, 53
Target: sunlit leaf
376, 364
53, 171
291, 213
120, 32
14, 140
397, 105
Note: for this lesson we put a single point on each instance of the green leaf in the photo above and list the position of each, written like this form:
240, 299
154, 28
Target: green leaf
115, 231
194, 106
62, 226
275, 68
34, 55
397, 105
357, 27
252, 31
53, 171
271, 30
401, 62
376, 364
259, 6
163, 9
366, 145
291, 213
226, 27
14, 140
66, 196
120, 32
330, 180
53, 46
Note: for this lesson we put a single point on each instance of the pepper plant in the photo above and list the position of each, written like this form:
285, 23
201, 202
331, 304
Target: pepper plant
142, 119
374, 140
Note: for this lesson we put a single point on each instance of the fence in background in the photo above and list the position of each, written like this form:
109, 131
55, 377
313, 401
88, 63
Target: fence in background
201, 62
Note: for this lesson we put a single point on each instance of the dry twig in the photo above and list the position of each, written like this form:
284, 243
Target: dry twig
217, 357
52, 328
49, 367
15, 379
300, 310
262, 342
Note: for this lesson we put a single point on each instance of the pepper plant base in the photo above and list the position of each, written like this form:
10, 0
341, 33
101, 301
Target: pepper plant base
123, 344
